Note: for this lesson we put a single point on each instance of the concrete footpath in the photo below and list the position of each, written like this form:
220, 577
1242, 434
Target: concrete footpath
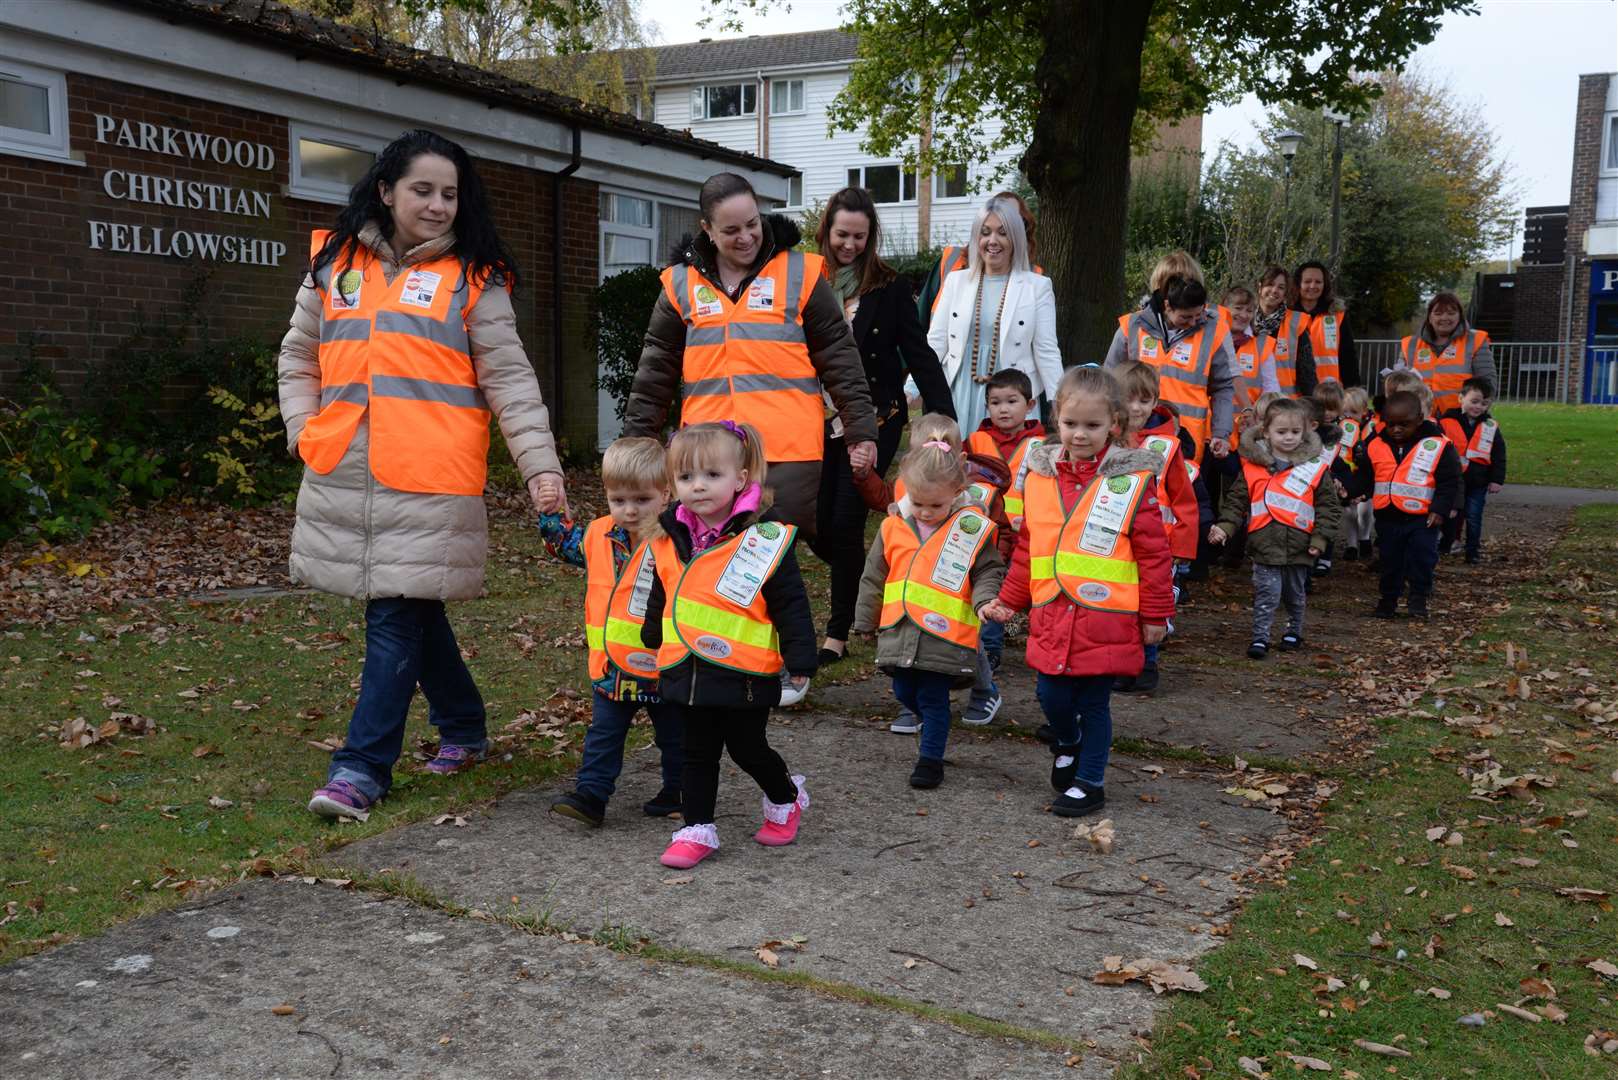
954, 932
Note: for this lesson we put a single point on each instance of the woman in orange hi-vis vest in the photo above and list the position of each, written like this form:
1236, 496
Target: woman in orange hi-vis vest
1330, 341
750, 330
1447, 352
403, 346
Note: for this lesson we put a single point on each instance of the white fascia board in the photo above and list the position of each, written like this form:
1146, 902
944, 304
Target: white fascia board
706, 77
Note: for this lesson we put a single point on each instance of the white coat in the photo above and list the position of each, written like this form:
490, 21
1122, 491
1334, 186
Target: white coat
1027, 328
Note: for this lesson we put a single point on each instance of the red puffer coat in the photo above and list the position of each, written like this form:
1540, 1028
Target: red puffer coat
1066, 639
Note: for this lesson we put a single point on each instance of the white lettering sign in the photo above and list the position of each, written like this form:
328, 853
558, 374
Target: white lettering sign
178, 142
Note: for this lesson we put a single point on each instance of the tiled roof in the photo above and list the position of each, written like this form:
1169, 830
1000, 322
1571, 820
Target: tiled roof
277, 24
751, 53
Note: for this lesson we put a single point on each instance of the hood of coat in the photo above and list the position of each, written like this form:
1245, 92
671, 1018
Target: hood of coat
1115, 462
1332, 307
780, 234
989, 467
371, 236
1259, 452
668, 524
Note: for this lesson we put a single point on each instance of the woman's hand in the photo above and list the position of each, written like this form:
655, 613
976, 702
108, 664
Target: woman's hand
1219, 447
549, 493
1495, 489
862, 457
1216, 535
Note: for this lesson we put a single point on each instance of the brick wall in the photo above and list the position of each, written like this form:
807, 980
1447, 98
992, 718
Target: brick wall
78, 306
1582, 207
1540, 304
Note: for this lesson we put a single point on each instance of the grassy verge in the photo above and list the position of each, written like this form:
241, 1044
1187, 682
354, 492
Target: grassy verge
1385, 935
1572, 445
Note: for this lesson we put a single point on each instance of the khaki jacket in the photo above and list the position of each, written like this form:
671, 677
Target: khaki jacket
356, 537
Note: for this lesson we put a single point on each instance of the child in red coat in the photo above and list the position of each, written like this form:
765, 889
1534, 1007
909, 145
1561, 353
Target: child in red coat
1093, 561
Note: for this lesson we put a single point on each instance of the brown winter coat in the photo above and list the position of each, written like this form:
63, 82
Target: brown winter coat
356, 537
1277, 544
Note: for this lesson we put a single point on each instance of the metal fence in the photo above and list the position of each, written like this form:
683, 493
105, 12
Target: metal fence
1524, 370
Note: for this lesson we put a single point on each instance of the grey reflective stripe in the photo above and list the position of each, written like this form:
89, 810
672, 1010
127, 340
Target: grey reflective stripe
1205, 348
450, 334
353, 393
704, 335
744, 384
1412, 491
707, 388
795, 263
1410, 350
345, 330
395, 386
323, 278
752, 331
1199, 412
1137, 324
682, 291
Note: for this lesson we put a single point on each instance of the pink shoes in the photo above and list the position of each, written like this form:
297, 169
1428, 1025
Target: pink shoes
690, 846
781, 819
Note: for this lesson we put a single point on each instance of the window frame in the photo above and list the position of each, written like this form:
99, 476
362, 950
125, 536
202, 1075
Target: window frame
800, 202
702, 89
300, 186
55, 145
606, 228
1609, 144
905, 175
803, 97
938, 180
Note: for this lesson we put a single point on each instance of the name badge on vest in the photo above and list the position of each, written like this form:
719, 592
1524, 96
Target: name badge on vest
1300, 478
1426, 456
1160, 446
1106, 518
1283, 348
420, 286
1148, 348
1248, 362
642, 589
1328, 332
1182, 354
955, 559
761, 294
1486, 437
345, 294
705, 300
750, 563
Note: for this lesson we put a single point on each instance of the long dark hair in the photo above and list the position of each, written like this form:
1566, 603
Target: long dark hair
1327, 294
873, 272
476, 242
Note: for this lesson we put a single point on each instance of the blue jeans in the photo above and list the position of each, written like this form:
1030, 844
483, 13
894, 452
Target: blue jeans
1409, 553
1151, 654
992, 636
1472, 519
1079, 709
603, 756
926, 693
407, 643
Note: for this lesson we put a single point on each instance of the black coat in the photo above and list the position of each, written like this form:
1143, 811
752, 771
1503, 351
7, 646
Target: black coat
893, 345
1446, 474
695, 681
1478, 474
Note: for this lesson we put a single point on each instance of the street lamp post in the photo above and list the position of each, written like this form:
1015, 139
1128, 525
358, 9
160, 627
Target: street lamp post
1288, 141
1337, 119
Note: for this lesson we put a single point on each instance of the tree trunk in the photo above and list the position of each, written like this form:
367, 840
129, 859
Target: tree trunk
1088, 80
924, 178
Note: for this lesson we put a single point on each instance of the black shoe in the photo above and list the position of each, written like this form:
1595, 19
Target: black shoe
1385, 609
664, 803
1198, 571
1418, 607
994, 656
1045, 735
928, 773
1146, 681
1290, 642
829, 657
1062, 775
580, 807
1258, 650
1092, 799
1123, 684
1473, 558
1322, 568
1351, 554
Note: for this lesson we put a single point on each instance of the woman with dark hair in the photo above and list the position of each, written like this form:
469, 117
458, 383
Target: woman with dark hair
1285, 333
893, 345
1446, 352
747, 329
957, 257
403, 344
1331, 343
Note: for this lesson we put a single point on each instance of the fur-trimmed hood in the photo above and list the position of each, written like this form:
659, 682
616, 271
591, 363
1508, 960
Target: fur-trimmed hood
1259, 452
1115, 462
780, 234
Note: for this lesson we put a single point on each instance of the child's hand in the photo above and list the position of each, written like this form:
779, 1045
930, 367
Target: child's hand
1434, 521
1219, 447
1314, 553
1494, 489
1153, 634
1216, 535
996, 610
1342, 492
799, 681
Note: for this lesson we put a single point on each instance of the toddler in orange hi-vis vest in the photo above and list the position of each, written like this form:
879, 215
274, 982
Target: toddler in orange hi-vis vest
730, 620
930, 570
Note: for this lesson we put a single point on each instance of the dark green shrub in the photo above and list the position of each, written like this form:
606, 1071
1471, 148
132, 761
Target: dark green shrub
621, 306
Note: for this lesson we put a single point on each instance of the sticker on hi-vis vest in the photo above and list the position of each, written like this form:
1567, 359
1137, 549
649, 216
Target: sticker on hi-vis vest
751, 562
1282, 349
1148, 348
1160, 446
708, 645
643, 586
346, 296
706, 301
1106, 518
935, 622
955, 557
643, 661
1182, 354
1093, 592
420, 286
1328, 332
761, 294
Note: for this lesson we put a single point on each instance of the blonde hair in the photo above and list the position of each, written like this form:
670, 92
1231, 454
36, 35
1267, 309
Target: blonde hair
1355, 399
937, 426
1094, 382
1285, 406
1405, 379
1010, 215
928, 464
738, 445
1178, 264
635, 463
1328, 394
1138, 380
1263, 403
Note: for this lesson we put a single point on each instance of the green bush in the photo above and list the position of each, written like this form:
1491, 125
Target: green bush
621, 306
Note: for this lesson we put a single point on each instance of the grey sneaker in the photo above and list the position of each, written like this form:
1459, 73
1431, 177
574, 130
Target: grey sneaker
979, 711
907, 724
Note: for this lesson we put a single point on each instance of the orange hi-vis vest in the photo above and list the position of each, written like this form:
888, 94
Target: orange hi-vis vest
748, 360
930, 581
1182, 370
615, 605
981, 442
1250, 359
1015, 502
1294, 325
1406, 485
1167, 447
1287, 496
1480, 447
1085, 555
715, 605
951, 259
1443, 372
399, 351
1350, 438
981, 494
1325, 341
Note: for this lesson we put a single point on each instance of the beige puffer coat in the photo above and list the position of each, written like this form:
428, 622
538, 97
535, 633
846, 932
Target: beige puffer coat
356, 537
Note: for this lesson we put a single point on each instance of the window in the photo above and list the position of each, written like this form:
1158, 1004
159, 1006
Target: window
1609, 160
795, 191
33, 110
884, 183
949, 182
786, 96
626, 210
718, 102
326, 163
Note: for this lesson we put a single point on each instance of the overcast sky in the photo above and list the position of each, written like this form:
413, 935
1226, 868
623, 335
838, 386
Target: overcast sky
1519, 59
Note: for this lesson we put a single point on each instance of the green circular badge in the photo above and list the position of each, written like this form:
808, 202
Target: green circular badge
348, 283
971, 525
769, 530
1118, 484
706, 295
1429, 444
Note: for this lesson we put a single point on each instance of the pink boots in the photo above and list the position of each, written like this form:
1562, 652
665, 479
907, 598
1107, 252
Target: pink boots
781, 819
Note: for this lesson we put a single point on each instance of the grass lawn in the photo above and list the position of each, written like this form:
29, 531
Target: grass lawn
1429, 898
1570, 445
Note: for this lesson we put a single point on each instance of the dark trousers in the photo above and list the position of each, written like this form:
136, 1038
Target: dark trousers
1409, 553
926, 693
1079, 709
603, 757
840, 519
1472, 519
710, 732
407, 643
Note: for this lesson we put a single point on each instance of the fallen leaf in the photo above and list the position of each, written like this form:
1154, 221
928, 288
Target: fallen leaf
1521, 1014
1502, 919
1552, 1012
283, 1010
460, 822
1309, 1062
1304, 962
1438, 992
683, 879
1582, 894
1437, 832
1250, 1067
1160, 975
1381, 1048
205, 750
768, 957
1604, 967
1537, 987
1100, 835
1465, 873
219, 804
1525, 862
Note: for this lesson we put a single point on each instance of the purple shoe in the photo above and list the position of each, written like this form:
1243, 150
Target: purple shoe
338, 799
454, 759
